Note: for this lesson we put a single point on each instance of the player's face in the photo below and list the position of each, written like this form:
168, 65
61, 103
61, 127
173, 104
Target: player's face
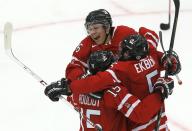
97, 33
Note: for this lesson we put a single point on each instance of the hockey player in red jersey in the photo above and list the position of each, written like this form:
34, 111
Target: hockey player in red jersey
116, 100
137, 69
102, 36
106, 110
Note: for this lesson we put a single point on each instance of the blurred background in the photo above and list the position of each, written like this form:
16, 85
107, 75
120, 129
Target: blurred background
45, 34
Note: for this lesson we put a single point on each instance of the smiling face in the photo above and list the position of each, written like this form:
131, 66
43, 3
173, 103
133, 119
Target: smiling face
98, 33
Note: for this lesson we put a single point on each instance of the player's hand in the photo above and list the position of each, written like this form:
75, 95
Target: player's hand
171, 63
164, 86
56, 89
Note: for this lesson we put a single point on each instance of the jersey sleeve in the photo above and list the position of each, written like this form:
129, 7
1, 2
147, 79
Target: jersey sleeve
78, 65
151, 36
127, 30
138, 111
94, 83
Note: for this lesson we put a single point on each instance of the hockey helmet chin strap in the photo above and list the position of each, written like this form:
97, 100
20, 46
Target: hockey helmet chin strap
107, 35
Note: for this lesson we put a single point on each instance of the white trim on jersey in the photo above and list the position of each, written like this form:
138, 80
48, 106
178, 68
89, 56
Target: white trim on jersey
113, 75
164, 126
153, 43
132, 108
154, 37
81, 119
83, 63
120, 106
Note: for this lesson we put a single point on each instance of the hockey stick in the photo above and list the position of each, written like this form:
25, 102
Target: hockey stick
8, 28
164, 26
177, 6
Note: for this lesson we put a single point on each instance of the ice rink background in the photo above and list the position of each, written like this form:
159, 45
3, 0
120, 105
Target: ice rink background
45, 34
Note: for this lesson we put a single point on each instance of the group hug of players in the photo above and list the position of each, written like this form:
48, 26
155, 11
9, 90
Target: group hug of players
114, 77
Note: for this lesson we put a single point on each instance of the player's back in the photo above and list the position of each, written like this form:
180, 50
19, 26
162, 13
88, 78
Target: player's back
139, 75
94, 109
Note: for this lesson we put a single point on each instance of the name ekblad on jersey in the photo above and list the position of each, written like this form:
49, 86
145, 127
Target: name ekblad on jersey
86, 100
144, 64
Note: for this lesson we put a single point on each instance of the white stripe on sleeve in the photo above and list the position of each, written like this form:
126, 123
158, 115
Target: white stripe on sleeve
113, 75
123, 101
83, 63
132, 108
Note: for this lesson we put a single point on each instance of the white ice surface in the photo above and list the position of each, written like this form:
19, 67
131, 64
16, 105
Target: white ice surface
46, 33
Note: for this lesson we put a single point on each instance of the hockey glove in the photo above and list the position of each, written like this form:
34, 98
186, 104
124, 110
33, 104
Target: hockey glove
171, 63
164, 86
56, 89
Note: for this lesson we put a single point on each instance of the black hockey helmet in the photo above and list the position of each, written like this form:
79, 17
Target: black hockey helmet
134, 47
100, 16
100, 61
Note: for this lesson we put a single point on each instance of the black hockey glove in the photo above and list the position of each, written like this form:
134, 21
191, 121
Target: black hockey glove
56, 89
164, 86
171, 63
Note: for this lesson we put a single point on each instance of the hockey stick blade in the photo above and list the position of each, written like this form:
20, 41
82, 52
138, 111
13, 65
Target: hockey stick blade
164, 26
8, 28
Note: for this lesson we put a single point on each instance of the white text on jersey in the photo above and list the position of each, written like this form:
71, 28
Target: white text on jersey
144, 64
86, 100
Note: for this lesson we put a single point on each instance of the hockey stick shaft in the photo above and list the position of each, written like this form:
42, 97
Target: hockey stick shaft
165, 26
177, 6
169, 12
8, 28
7, 45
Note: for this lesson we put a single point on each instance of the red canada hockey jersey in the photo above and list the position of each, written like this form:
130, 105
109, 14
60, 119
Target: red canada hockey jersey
137, 76
78, 65
118, 104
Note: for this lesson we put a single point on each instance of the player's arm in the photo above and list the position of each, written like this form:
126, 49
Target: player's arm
136, 110
125, 30
78, 65
94, 83
151, 37
102, 80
